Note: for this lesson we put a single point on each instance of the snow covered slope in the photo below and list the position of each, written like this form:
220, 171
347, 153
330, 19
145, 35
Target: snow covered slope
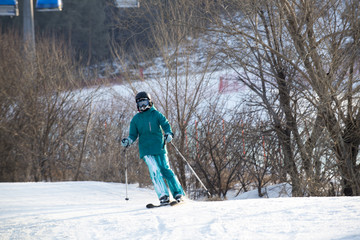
97, 210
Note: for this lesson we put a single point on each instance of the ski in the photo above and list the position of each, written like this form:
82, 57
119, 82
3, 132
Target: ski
150, 205
175, 203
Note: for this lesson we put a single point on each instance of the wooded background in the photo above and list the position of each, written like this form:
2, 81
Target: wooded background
300, 123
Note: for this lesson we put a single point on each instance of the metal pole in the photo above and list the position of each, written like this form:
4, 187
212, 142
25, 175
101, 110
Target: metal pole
28, 31
202, 184
126, 177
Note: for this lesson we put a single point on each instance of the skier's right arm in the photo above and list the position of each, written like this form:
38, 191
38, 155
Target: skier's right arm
133, 133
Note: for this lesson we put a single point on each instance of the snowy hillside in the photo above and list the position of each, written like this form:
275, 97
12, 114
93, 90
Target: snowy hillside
97, 210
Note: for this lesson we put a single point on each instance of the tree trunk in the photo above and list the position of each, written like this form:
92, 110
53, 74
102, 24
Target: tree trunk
82, 148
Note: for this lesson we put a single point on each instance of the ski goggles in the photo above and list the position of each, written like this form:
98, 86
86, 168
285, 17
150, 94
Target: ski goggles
143, 102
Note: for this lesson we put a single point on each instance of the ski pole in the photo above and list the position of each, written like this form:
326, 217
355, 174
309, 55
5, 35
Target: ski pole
182, 156
126, 177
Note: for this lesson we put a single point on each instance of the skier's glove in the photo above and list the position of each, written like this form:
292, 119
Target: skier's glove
168, 137
126, 142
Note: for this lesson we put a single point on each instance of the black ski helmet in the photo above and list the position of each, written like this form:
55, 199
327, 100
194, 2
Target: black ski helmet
142, 96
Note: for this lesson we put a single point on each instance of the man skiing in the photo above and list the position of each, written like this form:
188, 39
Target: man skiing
149, 124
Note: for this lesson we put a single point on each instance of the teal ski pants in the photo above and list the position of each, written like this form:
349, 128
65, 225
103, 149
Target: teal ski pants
159, 170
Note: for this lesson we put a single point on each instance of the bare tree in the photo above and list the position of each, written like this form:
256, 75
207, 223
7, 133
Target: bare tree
217, 153
291, 54
41, 108
328, 53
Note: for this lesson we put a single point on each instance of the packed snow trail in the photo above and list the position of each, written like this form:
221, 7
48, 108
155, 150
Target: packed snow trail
97, 210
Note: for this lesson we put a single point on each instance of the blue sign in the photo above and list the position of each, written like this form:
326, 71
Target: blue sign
9, 8
8, 2
49, 5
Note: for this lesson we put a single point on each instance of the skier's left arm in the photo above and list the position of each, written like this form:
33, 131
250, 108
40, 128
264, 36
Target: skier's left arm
165, 125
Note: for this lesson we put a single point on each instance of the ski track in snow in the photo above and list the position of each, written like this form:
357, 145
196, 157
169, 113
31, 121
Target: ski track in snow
97, 210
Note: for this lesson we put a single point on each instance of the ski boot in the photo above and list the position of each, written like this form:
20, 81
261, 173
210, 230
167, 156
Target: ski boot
179, 198
164, 200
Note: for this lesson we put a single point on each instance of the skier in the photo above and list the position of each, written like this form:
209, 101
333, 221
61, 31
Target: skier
149, 124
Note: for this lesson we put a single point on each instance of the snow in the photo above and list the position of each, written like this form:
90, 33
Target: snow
98, 210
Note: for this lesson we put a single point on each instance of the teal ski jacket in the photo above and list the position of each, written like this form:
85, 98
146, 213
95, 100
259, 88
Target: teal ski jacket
150, 127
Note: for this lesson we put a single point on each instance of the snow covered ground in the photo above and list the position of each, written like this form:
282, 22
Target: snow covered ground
97, 210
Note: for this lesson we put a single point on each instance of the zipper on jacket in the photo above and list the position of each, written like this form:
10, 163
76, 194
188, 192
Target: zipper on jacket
150, 126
